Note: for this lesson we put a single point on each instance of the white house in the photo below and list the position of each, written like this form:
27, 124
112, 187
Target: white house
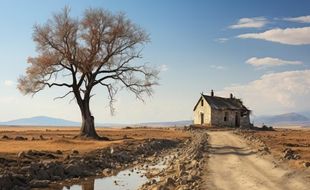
221, 112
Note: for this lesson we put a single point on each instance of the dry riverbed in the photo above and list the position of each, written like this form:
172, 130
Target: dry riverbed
55, 168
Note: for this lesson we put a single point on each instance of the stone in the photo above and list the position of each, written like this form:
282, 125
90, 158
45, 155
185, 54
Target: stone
21, 154
106, 172
169, 181
5, 137
42, 174
67, 157
58, 152
6, 182
56, 170
75, 152
306, 164
41, 137
20, 138
73, 170
39, 183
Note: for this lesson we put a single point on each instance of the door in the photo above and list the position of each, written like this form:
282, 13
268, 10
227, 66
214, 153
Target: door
237, 120
202, 118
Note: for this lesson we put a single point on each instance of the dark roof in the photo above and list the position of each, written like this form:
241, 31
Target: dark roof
216, 102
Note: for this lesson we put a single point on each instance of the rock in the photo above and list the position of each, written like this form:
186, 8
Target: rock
6, 182
194, 164
19, 180
41, 137
158, 187
21, 154
289, 154
56, 170
73, 170
42, 174
306, 164
75, 152
190, 178
67, 157
58, 152
20, 138
5, 137
180, 169
169, 181
39, 183
106, 172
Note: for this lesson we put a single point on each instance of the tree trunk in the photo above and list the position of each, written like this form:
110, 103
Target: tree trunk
88, 123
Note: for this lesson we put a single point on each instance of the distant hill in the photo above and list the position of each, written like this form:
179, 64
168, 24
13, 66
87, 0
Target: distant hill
167, 124
50, 121
41, 121
283, 119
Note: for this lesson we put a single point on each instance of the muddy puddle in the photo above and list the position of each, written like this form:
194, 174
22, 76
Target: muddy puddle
129, 179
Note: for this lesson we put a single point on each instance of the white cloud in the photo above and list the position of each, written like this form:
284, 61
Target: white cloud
221, 40
218, 67
291, 36
256, 22
270, 62
163, 68
275, 93
8, 83
301, 19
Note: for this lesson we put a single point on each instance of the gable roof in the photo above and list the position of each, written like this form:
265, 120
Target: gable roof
220, 103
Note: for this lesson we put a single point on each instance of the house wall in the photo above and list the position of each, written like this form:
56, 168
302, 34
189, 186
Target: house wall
217, 118
245, 121
214, 117
206, 109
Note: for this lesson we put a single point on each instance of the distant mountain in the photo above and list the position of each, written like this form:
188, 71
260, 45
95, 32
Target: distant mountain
283, 119
167, 124
50, 121
41, 121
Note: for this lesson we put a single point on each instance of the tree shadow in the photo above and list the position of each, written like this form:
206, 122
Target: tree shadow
225, 150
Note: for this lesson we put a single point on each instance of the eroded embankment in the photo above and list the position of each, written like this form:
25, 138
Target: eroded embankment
185, 167
37, 169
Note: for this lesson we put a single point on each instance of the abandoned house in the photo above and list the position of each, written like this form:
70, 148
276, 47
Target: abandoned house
222, 112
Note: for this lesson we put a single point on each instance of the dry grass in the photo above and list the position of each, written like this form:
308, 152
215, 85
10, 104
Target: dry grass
62, 138
297, 140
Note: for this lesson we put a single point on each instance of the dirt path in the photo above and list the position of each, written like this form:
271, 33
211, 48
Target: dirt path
233, 165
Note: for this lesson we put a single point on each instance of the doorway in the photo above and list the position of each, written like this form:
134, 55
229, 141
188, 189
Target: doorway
202, 118
237, 120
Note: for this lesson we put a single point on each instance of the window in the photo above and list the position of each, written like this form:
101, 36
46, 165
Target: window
226, 116
201, 102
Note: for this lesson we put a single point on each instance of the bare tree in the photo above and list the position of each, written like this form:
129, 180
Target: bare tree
79, 54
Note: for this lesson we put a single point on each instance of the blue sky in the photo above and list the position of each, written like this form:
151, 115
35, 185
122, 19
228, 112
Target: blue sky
259, 50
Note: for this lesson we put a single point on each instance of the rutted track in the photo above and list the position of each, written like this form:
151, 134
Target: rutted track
233, 165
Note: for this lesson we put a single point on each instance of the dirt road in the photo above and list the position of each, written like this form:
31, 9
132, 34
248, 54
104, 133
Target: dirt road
233, 165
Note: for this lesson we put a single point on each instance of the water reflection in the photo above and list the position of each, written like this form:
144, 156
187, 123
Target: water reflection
130, 179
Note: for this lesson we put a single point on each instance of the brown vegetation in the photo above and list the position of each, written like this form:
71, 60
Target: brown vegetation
52, 139
283, 141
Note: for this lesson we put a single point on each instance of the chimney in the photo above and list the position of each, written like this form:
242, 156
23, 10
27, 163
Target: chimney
231, 96
212, 93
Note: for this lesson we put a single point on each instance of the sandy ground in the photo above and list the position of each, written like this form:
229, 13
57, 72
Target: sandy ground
233, 165
296, 139
62, 138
